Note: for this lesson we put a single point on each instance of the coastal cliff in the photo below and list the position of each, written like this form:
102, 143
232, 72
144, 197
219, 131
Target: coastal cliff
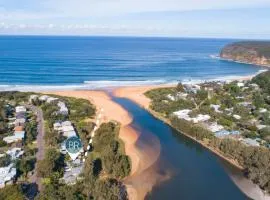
251, 52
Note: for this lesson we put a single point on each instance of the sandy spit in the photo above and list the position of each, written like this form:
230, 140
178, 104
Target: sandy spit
136, 94
143, 175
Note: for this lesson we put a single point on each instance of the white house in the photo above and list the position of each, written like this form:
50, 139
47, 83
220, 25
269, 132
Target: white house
260, 126
7, 174
51, 99
66, 123
171, 97
15, 153
14, 138
19, 109
70, 177
216, 108
184, 114
214, 127
69, 133
263, 110
33, 98
250, 142
57, 126
67, 128
192, 88
62, 108
237, 117
43, 98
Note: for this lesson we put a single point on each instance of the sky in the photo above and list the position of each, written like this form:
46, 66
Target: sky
169, 18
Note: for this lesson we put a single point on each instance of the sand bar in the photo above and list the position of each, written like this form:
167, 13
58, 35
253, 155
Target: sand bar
142, 158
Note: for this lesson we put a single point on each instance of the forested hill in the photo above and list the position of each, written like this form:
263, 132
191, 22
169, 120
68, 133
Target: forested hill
252, 52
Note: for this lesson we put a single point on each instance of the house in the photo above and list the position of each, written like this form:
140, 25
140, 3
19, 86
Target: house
69, 133
251, 142
248, 104
262, 110
254, 86
238, 117
20, 122
184, 114
240, 84
7, 174
18, 136
33, 98
216, 108
15, 153
201, 118
260, 126
214, 127
171, 97
67, 128
43, 98
224, 133
192, 88
70, 176
62, 108
19, 109
20, 115
51, 99
66, 123
18, 128
57, 126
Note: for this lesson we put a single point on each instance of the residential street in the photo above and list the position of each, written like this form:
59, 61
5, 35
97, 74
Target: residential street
40, 143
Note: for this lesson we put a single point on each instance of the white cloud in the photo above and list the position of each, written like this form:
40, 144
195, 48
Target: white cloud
33, 9
126, 17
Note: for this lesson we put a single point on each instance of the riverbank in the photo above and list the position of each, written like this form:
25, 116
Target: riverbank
136, 94
141, 158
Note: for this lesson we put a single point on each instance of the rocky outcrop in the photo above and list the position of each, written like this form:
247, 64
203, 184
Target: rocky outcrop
257, 53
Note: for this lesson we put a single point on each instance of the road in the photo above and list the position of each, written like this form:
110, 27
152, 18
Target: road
40, 143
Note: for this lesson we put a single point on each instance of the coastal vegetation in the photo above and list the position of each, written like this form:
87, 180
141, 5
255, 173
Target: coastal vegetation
103, 169
231, 119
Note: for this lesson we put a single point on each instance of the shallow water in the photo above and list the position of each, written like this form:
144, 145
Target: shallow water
194, 172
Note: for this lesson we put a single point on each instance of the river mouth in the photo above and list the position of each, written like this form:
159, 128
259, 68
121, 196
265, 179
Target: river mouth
177, 168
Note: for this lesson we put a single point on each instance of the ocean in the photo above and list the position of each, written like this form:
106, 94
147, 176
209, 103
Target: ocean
45, 62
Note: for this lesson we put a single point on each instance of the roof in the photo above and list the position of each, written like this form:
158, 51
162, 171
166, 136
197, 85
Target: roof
20, 109
43, 97
7, 173
15, 153
18, 135
69, 133
67, 128
51, 99
66, 123
251, 142
18, 128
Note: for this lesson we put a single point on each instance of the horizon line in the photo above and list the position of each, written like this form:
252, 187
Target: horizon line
131, 36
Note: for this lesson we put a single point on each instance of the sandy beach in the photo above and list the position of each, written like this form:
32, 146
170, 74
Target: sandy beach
143, 176
136, 94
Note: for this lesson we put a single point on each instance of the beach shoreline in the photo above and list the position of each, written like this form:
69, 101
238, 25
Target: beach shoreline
141, 159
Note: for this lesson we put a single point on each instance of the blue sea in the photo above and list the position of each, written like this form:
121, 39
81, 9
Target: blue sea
94, 62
